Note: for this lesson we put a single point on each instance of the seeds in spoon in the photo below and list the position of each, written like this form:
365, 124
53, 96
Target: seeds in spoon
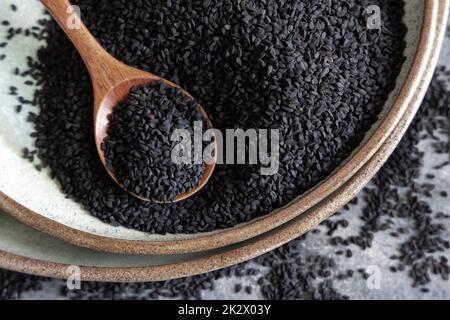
309, 68
138, 146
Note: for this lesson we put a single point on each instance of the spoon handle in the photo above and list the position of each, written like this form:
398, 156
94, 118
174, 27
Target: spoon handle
103, 68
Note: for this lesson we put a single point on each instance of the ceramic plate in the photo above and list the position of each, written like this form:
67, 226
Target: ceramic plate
27, 250
36, 200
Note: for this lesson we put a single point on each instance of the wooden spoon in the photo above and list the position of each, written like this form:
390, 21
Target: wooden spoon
112, 81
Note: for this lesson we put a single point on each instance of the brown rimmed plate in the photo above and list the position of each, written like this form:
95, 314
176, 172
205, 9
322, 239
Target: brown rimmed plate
28, 200
27, 250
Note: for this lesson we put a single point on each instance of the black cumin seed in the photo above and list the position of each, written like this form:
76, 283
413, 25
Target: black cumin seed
138, 146
241, 84
285, 279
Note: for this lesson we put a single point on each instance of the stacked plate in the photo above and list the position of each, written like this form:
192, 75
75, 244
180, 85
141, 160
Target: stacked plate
43, 233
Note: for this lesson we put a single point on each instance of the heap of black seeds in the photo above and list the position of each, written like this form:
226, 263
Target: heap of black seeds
313, 70
138, 148
394, 205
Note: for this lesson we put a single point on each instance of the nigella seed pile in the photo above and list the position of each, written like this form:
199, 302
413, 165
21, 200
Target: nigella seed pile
395, 207
138, 147
399, 207
312, 70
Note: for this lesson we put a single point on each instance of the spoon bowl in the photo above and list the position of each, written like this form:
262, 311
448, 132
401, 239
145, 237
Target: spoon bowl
112, 81
106, 106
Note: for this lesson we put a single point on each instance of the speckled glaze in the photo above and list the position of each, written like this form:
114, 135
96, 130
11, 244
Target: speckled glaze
308, 209
36, 253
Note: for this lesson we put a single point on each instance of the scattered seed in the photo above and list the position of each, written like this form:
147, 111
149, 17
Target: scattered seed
292, 275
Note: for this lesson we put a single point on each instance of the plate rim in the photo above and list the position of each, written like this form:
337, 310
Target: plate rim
267, 241
403, 103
